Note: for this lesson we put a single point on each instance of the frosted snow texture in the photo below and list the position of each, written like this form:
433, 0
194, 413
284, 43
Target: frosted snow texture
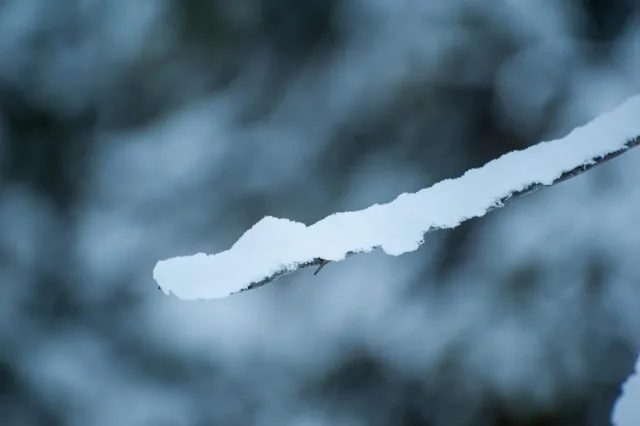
275, 245
626, 411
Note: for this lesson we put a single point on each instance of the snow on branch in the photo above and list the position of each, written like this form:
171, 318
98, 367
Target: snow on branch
274, 247
626, 410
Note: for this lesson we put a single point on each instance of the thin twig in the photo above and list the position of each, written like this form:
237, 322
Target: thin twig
321, 263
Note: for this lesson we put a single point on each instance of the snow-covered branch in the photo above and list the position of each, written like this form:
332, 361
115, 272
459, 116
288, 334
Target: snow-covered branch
626, 410
275, 247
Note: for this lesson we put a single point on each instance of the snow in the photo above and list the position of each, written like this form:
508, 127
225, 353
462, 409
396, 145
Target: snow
626, 411
274, 245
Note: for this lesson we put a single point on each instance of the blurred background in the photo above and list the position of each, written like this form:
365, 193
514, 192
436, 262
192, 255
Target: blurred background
133, 131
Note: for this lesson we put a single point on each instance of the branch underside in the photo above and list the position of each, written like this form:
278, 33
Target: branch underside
533, 187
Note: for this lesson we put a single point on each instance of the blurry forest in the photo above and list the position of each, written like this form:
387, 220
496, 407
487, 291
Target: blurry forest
133, 131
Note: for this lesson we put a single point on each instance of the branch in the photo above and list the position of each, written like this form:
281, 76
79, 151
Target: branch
276, 247
499, 204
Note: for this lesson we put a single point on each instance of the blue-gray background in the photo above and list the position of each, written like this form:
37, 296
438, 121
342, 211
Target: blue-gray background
132, 131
